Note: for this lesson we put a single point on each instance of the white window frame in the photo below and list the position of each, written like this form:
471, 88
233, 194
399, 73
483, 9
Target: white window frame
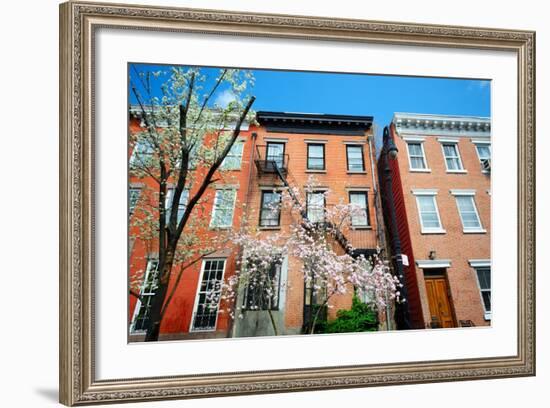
454, 142
131, 208
432, 193
468, 193
196, 303
213, 217
168, 203
367, 209
238, 157
487, 143
483, 264
148, 270
420, 141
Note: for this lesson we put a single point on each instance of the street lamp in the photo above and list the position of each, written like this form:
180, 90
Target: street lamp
389, 151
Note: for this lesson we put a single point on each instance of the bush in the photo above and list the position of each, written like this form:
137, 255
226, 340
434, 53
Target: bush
360, 318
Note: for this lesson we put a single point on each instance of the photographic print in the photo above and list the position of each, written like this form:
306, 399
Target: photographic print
271, 203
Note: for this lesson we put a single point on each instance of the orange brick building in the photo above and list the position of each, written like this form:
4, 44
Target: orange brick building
441, 193
337, 149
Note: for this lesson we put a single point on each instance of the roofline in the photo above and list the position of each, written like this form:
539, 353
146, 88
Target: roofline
431, 116
317, 117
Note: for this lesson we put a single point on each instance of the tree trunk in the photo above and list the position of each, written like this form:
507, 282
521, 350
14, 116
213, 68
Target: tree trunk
155, 313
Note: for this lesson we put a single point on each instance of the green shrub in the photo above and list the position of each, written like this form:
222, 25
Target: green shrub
359, 318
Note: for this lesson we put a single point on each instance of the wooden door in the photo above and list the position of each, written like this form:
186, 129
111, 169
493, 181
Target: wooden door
440, 305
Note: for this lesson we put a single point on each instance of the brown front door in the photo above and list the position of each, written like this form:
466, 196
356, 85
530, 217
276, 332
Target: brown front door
438, 298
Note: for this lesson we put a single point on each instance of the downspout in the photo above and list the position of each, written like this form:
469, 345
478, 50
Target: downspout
379, 232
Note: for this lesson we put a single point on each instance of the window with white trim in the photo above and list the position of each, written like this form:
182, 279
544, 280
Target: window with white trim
429, 214
315, 156
181, 205
142, 154
142, 313
222, 211
233, 159
417, 158
484, 280
452, 156
207, 300
468, 213
484, 153
316, 206
360, 215
133, 197
356, 161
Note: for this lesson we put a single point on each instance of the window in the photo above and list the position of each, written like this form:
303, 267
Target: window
315, 156
468, 213
354, 154
452, 157
222, 211
181, 206
360, 216
233, 159
270, 211
133, 197
316, 206
143, 307
262, 292
484, 281
142, 154
207, 300
417, 159
275, 155
484, 154
429, 215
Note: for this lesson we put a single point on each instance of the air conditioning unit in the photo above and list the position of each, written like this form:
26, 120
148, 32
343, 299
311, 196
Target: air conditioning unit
486, 165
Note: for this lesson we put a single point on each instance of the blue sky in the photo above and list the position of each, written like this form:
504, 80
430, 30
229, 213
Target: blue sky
359, 94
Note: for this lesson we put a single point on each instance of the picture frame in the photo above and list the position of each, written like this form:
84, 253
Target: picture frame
79, 22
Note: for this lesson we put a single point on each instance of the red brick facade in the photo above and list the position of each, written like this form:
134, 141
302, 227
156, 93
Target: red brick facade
445, 161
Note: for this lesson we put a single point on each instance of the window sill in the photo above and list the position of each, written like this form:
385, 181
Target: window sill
356, 172
361, 227
434, 231
457, 171
420, 170
475, 231
315, 171
236, 169
488, 316
266, 228
202, 330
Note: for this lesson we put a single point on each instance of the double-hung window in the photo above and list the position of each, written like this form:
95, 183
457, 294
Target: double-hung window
208, 295
262, 292
428, 211
133, 197
315, 156
316, 206
452, 157
275, 155
142, 313
360, 212
468, 211
270, 211
356, 162
483, 274
233, 159
484, 154
182, 205
417, 158
142, 154
222, 211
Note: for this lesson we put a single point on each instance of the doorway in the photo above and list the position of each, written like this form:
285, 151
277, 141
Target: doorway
439, 299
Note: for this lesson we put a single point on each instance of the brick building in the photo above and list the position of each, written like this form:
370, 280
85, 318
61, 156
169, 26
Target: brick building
337, 149
441, 193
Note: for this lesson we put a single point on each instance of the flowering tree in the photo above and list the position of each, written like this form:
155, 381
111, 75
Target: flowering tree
328, 267
187, 132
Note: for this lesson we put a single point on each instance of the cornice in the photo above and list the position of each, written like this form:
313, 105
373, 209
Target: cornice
442, 125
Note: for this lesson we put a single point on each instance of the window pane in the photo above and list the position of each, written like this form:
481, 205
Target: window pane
270, 210
275, 153
415, 149
426, 203
451, 157
484, 151
417, 163
359, 216
206, 312
355, 158
428, 212
316, 207
233, 159
468, 213
222, 212
133, 196
315, 159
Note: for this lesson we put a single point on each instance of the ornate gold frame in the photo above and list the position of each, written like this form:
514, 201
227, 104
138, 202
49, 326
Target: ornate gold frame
77, 24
